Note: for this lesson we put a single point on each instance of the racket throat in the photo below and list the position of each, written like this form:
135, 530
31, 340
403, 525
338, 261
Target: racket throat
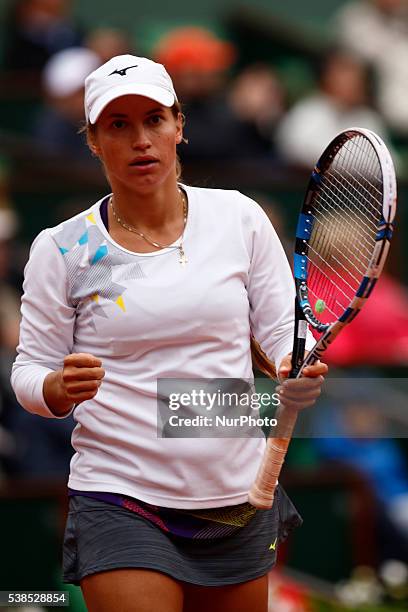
299, 340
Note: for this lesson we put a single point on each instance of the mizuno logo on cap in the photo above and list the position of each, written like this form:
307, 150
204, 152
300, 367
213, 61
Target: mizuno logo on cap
122, 71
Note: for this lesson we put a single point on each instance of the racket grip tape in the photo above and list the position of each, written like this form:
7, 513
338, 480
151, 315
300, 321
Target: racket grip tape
262, 491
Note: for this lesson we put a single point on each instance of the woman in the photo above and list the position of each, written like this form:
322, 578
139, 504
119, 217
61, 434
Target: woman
157, 280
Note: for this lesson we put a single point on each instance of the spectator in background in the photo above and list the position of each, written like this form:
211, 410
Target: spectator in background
35, 30
356, 427
29, 446
41, 448
199, 62
341, 101
9, 332
276, 213
108, 42
9, 298
9, 321
377, 31
57, 125
257, 98
9, 295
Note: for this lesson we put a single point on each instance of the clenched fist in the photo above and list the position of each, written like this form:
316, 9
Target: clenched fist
79, 380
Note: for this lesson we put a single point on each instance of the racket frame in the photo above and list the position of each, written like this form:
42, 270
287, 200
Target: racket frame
377, 260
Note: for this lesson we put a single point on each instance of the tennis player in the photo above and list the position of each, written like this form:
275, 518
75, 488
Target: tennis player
156, 280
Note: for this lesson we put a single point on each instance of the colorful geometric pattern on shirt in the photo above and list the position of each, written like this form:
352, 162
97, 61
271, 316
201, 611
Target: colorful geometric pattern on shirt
92, 264
203, 524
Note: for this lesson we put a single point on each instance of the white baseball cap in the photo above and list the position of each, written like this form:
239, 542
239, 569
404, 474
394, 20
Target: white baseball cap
123, 75
64, 73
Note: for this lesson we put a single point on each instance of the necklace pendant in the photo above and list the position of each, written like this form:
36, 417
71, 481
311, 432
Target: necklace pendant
183, 259
182, 256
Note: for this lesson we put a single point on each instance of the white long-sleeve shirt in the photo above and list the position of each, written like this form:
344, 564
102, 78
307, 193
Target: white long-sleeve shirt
148, 317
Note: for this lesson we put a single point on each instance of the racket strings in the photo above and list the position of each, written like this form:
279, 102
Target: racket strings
370, 157
364, 165
356, 143
337, 195
344, 259
336, 184
371, 218
330, 268
369, 202
359, 198
323, 289
345, 185
353, 264
347, 212
367, 166
348, 225
337, 274
359, 250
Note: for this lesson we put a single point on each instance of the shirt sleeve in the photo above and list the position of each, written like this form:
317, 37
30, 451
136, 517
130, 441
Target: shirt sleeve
46, 330
271, 291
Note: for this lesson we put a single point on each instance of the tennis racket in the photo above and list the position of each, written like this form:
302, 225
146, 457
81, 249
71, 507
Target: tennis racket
342, 241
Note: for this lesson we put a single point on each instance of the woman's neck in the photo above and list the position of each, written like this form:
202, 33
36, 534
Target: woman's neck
149, 210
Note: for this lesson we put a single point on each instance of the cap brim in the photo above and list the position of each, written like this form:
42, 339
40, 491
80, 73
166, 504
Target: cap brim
166, 98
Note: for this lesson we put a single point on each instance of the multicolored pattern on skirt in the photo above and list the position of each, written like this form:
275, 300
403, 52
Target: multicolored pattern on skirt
203, 524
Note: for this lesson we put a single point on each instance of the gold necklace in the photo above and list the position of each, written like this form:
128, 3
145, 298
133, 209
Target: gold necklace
182, 256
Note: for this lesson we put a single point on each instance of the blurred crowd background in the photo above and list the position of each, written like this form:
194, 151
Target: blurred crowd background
264, 87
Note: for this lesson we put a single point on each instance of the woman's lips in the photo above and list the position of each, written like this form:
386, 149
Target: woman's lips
143, 162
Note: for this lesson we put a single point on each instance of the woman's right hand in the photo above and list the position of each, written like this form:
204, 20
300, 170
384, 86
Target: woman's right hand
79, 380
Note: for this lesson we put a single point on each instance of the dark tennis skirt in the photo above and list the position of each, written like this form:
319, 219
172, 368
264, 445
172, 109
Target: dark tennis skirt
100, 536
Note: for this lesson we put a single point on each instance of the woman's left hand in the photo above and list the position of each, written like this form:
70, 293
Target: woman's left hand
299, 393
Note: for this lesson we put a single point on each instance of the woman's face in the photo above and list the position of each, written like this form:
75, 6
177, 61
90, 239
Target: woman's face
136, 138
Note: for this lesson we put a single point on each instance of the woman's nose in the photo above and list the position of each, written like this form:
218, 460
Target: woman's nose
140, 139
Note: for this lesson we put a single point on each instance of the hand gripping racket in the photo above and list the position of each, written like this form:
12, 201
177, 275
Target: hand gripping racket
342, 240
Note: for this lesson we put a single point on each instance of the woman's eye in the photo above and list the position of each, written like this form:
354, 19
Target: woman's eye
118, 124
155, 119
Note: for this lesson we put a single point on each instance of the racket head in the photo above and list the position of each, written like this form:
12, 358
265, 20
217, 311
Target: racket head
344, 228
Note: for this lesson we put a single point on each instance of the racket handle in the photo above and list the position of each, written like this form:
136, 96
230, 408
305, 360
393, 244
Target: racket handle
262, 491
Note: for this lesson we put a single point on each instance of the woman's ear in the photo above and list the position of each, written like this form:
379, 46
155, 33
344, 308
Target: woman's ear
180, 125
94, 148
92, 144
